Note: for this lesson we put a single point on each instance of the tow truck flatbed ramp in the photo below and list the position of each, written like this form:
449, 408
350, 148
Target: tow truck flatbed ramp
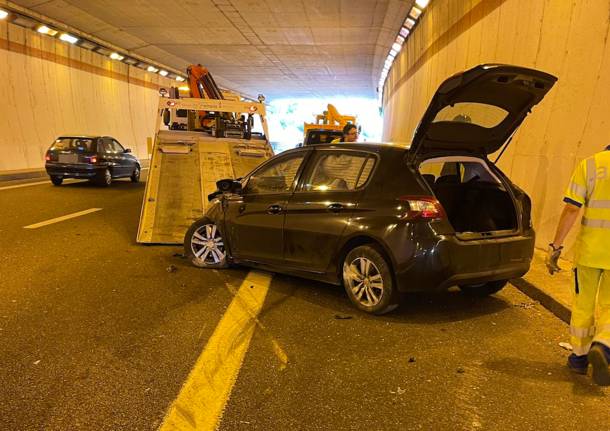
184, 169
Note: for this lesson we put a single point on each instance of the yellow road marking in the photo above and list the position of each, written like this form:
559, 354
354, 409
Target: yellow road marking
202, 399
62, 218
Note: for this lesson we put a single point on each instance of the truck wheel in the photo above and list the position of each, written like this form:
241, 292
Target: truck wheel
483, 289
368, 281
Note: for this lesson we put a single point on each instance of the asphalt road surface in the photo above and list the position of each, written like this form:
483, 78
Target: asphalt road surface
97, 334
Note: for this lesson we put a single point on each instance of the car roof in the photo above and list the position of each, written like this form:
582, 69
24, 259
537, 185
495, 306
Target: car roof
84, 136
369, 146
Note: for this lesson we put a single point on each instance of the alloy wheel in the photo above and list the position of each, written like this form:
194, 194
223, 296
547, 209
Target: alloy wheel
364, 280
107, 177
207, 245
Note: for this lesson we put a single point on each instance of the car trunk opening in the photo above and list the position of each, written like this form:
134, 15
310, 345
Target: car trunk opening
70, 150
475, 199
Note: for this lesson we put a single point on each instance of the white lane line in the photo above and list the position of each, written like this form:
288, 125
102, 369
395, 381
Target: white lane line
203, 397
62, 218
18, 186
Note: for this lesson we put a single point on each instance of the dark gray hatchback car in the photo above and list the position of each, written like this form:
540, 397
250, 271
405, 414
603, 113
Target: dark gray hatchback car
381, 218
97, 158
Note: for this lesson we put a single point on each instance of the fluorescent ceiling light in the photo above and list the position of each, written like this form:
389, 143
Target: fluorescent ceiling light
409, 23
422, 3
392, 54
163, 72
116, 56
404, 32
400, 39
179, 79
152, 69
131, 61
46, 30
415, 12
3, 14
67, 37
396, 47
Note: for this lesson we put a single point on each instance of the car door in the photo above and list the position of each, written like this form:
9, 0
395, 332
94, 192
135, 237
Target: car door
124, 159
111, 157
254, 219
323, 205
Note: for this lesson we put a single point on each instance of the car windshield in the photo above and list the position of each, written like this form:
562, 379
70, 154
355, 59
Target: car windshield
480, 114
81, 145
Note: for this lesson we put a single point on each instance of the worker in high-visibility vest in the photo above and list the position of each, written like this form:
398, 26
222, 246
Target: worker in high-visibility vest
588, 188
350, 134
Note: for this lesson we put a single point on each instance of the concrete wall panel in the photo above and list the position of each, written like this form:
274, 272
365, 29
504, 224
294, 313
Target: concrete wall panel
50, 88
566, 38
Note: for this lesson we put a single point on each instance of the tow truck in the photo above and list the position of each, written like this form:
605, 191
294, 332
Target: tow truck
328, 126
198, 141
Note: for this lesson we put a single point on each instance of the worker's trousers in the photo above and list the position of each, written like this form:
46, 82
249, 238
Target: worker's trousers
590, 284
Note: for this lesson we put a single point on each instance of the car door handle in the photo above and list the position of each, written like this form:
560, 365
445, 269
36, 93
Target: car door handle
336, 207
274, 209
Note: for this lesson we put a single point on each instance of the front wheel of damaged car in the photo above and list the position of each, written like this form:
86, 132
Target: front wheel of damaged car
204, 245
368, 281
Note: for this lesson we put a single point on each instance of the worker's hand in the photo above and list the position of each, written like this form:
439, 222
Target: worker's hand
552, 257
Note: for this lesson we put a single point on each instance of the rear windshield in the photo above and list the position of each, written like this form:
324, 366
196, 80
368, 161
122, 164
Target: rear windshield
480, 114
81, 145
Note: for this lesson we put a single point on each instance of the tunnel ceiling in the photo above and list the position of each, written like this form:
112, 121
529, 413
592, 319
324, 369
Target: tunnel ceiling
294, 48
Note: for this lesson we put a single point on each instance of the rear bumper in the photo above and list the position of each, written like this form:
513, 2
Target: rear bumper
445, 261
80, 170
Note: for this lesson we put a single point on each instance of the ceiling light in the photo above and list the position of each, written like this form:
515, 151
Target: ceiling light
86, 44
116, 56
409, 23
46, 30
392, 53
422, 3
179, 79
400, 39
396, 47
3, 14
415, 13
152, 69
184, 88
131, 61
404, 32
67, 37
163, 72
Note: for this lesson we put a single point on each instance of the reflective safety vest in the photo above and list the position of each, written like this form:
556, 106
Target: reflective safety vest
590, 186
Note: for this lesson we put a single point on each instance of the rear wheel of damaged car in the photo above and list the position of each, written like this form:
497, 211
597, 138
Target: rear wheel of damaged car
57, 180
204, 245
483, 289
367, 278
135, 175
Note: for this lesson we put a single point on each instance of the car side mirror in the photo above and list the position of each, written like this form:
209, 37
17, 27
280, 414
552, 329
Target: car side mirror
228, 185
128, 150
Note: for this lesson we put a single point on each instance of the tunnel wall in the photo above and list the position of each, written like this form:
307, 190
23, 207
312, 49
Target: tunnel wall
49, 88
566, 38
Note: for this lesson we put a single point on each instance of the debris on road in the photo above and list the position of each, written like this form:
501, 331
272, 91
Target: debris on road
526, 305
566, 346
411, 359
37, 362
180, 255
398, 391
460, 370
171, 268
341, 317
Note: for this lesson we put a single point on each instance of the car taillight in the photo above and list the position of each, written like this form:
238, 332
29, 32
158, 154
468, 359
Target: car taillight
47, 157
93, 159
423, 207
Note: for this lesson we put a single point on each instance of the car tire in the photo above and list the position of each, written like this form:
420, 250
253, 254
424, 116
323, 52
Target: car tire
483, 289
135, 176
368, 281
57, 180
104, 178
204, 245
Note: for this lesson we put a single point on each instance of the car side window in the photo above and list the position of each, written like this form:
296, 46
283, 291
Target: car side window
276, 177
339, 171
108, 146
118, 148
